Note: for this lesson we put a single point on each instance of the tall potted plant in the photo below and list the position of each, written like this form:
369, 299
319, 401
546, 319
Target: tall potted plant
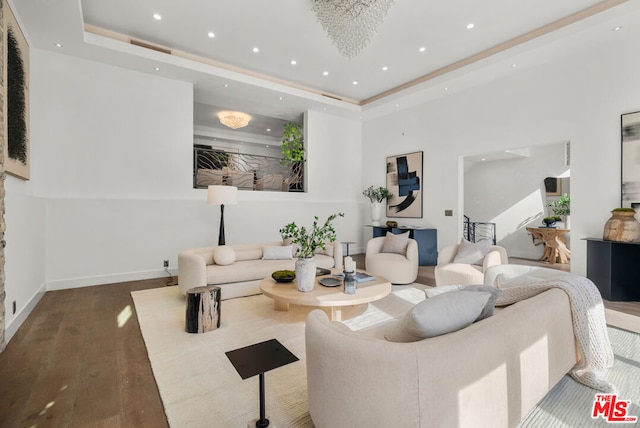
376, 196
292, 148
308, 241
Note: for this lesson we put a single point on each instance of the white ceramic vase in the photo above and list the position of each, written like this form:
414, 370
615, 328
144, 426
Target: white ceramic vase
376, 213
305, 274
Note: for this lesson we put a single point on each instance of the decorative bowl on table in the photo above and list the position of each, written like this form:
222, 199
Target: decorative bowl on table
283, 275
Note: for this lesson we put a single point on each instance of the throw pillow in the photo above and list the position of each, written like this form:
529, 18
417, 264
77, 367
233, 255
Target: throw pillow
396, 243
488, 309
277, 252
224, 255
472, 253
445, 313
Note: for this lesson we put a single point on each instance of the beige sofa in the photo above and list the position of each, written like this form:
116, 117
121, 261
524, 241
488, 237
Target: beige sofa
197, 268
490, 374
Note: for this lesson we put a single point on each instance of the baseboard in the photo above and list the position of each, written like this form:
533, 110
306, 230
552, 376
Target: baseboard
63, 284
12, 327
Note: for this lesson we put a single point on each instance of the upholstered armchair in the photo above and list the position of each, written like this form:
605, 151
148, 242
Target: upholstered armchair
448, 272
399, 266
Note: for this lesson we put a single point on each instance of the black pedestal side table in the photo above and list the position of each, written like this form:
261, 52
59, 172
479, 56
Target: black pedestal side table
256, 360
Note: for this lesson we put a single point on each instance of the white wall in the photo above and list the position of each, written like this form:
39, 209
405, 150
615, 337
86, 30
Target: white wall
510, 193
114, 172
577, 98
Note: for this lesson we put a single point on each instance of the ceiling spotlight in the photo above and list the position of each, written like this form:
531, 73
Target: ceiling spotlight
211, 34
325, 73
446, 89
355, 82
385, 68
234, 119
617, 28
157, 16
255, 50
514, 65
281, 98
268, 129
157, 69
483, 159
422, 49
470, 25
58, 45
226, 85
294, 62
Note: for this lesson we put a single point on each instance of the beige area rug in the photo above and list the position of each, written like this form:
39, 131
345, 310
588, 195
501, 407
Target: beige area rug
200, 388
198, 385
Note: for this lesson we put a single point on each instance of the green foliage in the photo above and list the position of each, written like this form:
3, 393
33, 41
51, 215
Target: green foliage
552, 218
310, 239
292, 145
377, 194
562, 206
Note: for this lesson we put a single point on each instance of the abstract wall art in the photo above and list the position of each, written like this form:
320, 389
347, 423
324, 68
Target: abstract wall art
16, 75
404, 180
630, 135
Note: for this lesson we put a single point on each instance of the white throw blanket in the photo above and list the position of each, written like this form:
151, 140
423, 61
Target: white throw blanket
589, 325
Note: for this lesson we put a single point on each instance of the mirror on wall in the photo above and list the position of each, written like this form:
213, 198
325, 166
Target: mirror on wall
511, 190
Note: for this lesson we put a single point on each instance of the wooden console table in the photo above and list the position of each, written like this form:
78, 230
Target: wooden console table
555, 247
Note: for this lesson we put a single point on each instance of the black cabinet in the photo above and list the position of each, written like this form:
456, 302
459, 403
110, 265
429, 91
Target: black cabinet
614, 267
427, 240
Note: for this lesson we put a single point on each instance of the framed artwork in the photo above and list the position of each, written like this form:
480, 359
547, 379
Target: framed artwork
16, 75
553, 186
404, 180
630, 136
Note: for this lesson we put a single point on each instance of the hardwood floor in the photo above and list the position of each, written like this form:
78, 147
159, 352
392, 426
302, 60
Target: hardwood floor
79, 361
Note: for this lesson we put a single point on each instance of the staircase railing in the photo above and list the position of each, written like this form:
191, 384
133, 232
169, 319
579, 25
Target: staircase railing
474, 231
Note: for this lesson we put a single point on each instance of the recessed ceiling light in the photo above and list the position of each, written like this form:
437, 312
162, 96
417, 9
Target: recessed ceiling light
157, 69
422, 49
483, 159
617, 28
325, 73
267, 146
470, 25
211, 34
514, 65
446, 89
226, 85
281, 98
268, 129
385, 68
355, 82
256, 50
58, 45
324, 109
157, 16
397, 105
294, 62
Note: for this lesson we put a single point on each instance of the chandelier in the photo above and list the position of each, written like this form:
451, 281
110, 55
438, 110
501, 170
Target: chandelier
234, 119
351, 24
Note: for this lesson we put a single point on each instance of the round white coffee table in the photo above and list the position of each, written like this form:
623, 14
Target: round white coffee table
284, 294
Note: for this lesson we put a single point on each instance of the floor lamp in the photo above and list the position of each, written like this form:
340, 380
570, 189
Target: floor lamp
222, 195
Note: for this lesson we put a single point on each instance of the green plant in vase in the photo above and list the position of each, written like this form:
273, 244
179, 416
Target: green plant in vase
376, 196
307, 241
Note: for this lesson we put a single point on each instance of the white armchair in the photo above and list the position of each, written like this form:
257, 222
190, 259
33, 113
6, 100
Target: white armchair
397, 268
449, 273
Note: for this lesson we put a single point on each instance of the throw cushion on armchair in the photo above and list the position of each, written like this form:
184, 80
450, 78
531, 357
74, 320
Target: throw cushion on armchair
396, 243
472, 253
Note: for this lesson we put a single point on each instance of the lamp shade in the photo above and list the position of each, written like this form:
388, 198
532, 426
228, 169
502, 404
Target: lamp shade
222, 195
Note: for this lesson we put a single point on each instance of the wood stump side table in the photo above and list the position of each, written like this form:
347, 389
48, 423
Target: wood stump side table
555, 247
203, 309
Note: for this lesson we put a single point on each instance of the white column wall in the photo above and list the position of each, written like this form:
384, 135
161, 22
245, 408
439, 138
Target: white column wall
577, 98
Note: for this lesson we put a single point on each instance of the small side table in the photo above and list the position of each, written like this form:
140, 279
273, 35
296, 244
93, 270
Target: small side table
347, 243
256, 360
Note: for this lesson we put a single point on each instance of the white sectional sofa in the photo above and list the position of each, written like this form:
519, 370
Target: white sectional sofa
238, 269
489, 374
